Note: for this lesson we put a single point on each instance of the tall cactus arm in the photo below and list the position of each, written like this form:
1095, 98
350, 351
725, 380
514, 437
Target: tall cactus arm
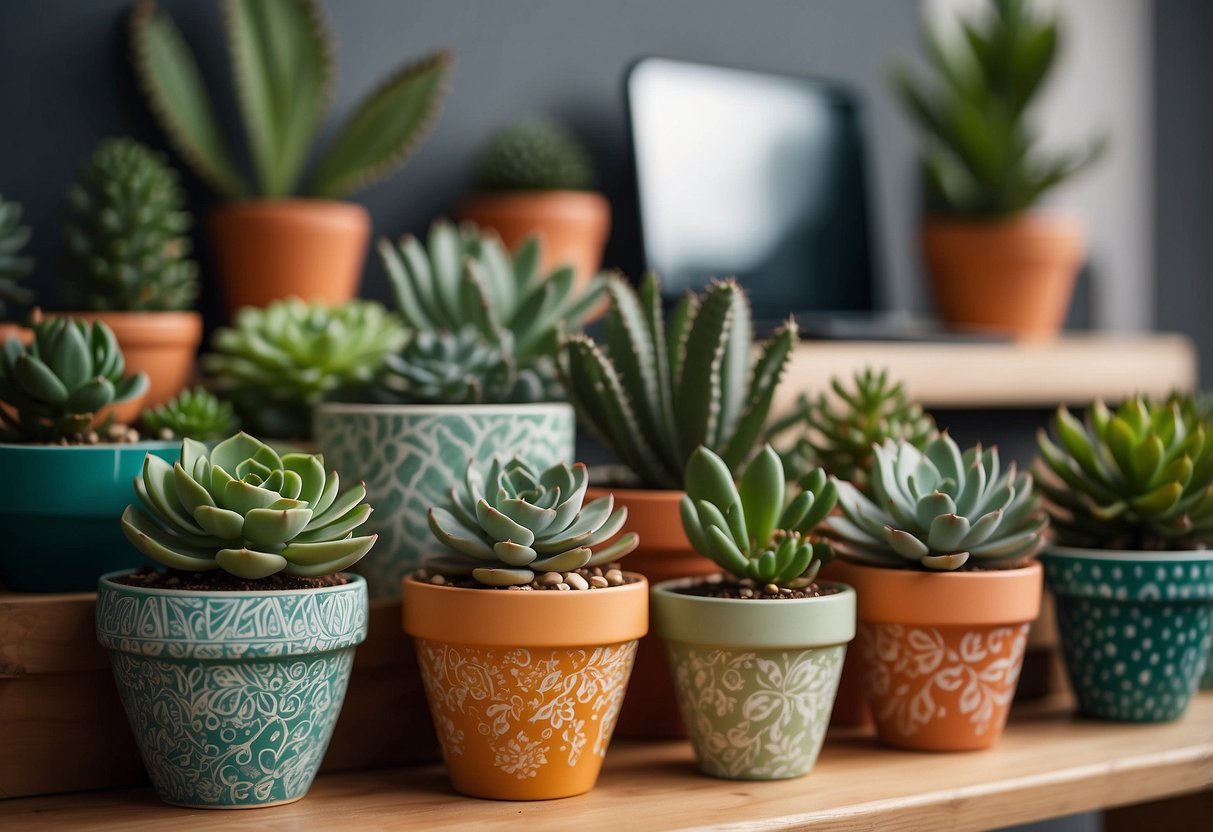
698, 394
650, 298
634, 355
735, 369
676, 333
767, 372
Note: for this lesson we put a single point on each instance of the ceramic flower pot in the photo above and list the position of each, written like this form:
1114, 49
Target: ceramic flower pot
271, 249
409, 455
161, 344
942, 651
59, 512
1135, 628
524, 687
755, 679
232, 696
850, 704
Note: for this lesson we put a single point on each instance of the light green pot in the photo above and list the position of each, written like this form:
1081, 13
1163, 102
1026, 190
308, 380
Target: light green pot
410, 456
755, 679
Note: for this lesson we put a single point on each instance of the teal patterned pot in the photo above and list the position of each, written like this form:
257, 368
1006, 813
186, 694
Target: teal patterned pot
755, 679
409, 456
1136, 628
232, 696
59, 510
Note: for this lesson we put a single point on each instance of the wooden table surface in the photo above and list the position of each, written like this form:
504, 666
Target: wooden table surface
1048, 764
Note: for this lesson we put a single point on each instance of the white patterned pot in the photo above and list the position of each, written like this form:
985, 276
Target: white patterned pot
409, 456
232, 696
755, 679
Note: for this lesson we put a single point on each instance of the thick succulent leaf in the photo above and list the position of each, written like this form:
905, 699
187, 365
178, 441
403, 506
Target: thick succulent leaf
984, 528
311, 559
234, 450
242, 497
723, 550
39, 381
447, 528
762, 492
767, 372
157, 488
566, 561
933, 505
249, 563
496, 576
538, 520
336, 528
220, 522
944, 563
906, 544
310, 470
153, 541
691, 525
625, 545
270, 527
339, 507
190, 493
947, 532
708, 478
592, 517
514, 554
499, 527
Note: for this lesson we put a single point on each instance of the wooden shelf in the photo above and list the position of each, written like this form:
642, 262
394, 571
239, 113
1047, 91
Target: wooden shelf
1047, 765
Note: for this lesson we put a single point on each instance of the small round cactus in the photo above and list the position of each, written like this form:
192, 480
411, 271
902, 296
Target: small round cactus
534, 154
192, 414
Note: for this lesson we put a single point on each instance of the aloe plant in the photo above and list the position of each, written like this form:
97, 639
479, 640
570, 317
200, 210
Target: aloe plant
534, 154
282, 61
191, 414
504, 528
751, 528
455, 368
14, 265
243, 508
660, 391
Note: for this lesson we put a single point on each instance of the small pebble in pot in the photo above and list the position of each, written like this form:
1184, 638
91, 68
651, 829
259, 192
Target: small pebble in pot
437, 580
550, 579
563, 587
746, 592
599, 582
771, 589
614, 577
576, 581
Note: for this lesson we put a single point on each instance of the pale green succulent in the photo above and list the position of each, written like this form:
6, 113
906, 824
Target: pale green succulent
192, 414
455, 368
505, 527
749, 528
243, 508
940, 509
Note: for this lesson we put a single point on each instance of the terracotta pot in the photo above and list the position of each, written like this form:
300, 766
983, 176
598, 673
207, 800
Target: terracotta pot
850, 705
942, 651
524, 687
271, 249
1012, 277
651, 708
14, 330
161, 344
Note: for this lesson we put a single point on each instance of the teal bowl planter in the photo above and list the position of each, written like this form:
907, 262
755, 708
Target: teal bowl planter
232, 696
59, 510
755, 679
1135, 627
409, 456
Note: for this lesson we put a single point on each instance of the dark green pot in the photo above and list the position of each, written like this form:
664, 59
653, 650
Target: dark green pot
1136, 628
59, 510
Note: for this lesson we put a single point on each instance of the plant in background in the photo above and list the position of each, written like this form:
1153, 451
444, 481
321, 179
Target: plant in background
748, 528
126, 233
193, 414
534, 154
839, 433
243, 508
514, 525
282, 60
980, 157
13, 264
55, 389
939, 509
275, 364
659, 392
1139, 477
455, 368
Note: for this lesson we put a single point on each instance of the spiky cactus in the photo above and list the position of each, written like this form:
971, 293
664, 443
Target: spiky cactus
13, 264
504, 528
192, 414
534, 154
660, 391
1139, 477
243, 508
57, 387
940, 509
125, 234
454, 368
749, 528
276, 364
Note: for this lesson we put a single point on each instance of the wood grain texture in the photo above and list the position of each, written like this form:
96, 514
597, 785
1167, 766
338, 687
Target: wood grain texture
1047, 765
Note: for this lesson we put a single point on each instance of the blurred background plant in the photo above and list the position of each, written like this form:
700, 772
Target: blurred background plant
14, 265
194, 414
536, 153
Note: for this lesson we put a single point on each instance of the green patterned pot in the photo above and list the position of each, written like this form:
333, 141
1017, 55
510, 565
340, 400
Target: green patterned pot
755, 679
232, 696
409, 456
59, 512
1135, 627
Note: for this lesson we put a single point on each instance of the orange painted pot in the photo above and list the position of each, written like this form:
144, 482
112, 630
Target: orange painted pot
275, 248
651, 708
161, 344
1011, 277
9, 329
524, 687
850, 704
942, 651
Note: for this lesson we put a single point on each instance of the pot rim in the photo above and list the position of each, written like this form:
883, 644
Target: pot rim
143, 445
108, 579
258, 203
358, 408
654, 495
1130, 555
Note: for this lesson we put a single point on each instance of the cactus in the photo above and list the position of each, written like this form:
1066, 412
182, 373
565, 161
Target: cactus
748, 528
13, 265
1140, 477
534, 154
276, 364
193, 414
939, 509
56, 388
665, 390
504, 528
454, 368
242, 508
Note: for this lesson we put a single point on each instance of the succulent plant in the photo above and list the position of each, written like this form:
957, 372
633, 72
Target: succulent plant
57, 387
13, 264
534, 154
192, 414
505, 527
1139, 477
454, 368
243, 508
749, 528
282, 60
275, 364
662, 391
126, 235
839, 432
939, 509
